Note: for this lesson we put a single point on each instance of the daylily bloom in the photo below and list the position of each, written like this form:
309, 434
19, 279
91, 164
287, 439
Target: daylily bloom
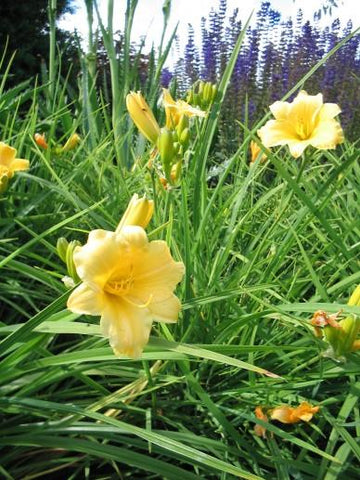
174, 110
41, 140
9, 164
129, 281
303, 122
285, 414
142, 116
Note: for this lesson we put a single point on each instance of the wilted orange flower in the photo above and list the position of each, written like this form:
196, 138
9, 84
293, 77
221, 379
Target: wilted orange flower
259, 429
41, 140
303, 122
285, 414
174, 110
127, 280
9, 164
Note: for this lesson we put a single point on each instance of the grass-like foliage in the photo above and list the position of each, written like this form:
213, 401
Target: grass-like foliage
265, 246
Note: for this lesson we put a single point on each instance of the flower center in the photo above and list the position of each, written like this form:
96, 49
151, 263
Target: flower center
120, 286
302, 129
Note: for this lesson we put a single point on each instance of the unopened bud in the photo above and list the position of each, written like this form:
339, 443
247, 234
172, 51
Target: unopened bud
138, 212
142, 116
167, 149
71, 143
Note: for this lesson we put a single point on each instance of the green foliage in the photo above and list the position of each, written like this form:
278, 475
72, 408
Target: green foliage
264, 247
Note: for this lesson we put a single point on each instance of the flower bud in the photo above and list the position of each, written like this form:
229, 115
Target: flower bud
61, 247
73, 245
71, 143
167, 150
185, 138
138, 212
142, 116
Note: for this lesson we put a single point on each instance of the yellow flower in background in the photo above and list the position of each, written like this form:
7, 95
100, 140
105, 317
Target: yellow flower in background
138, 212
71, 143
174, 110
142, 116
255, 151
303, 122
285, 414
9, 164
129, 281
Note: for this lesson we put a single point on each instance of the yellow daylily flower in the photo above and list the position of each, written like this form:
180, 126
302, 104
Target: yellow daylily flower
142, 116
303, 122
285, 414
9, 164
174, 110
129, 281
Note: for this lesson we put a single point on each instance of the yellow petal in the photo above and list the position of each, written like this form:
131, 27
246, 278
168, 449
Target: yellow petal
85, 300
297, 148
166, 311
126, 326
329, 111
280, 110
7, 154
95, 260
327, 135
276, 132
19, 164
157, 271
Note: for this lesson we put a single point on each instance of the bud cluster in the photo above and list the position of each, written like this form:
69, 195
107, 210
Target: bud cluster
202, 94
173, 140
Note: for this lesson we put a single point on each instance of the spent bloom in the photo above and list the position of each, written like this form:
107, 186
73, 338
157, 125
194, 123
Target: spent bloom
285, 414
342, 335
303, 122
40, 140
175, 110
9, 164
142, 116
128, 280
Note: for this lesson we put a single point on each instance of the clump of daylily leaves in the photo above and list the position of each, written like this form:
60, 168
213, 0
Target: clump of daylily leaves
172, 141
